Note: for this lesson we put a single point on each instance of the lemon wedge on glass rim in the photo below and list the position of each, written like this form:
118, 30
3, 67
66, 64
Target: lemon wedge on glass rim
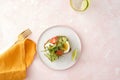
79, 5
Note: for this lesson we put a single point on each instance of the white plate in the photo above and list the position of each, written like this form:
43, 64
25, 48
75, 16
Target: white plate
64, 61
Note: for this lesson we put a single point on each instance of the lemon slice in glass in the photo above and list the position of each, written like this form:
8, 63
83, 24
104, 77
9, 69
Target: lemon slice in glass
74, 55
79, 5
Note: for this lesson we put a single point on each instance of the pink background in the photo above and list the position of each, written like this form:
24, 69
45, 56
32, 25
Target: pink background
98, 28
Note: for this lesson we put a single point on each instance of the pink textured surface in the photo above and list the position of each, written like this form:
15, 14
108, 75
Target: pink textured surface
98, 28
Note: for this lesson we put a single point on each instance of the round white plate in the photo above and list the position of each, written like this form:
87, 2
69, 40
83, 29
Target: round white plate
64, 61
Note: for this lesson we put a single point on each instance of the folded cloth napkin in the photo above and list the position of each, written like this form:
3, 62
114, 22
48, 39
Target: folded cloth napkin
15, 61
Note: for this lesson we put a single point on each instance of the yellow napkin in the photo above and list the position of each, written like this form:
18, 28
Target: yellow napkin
16, 59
